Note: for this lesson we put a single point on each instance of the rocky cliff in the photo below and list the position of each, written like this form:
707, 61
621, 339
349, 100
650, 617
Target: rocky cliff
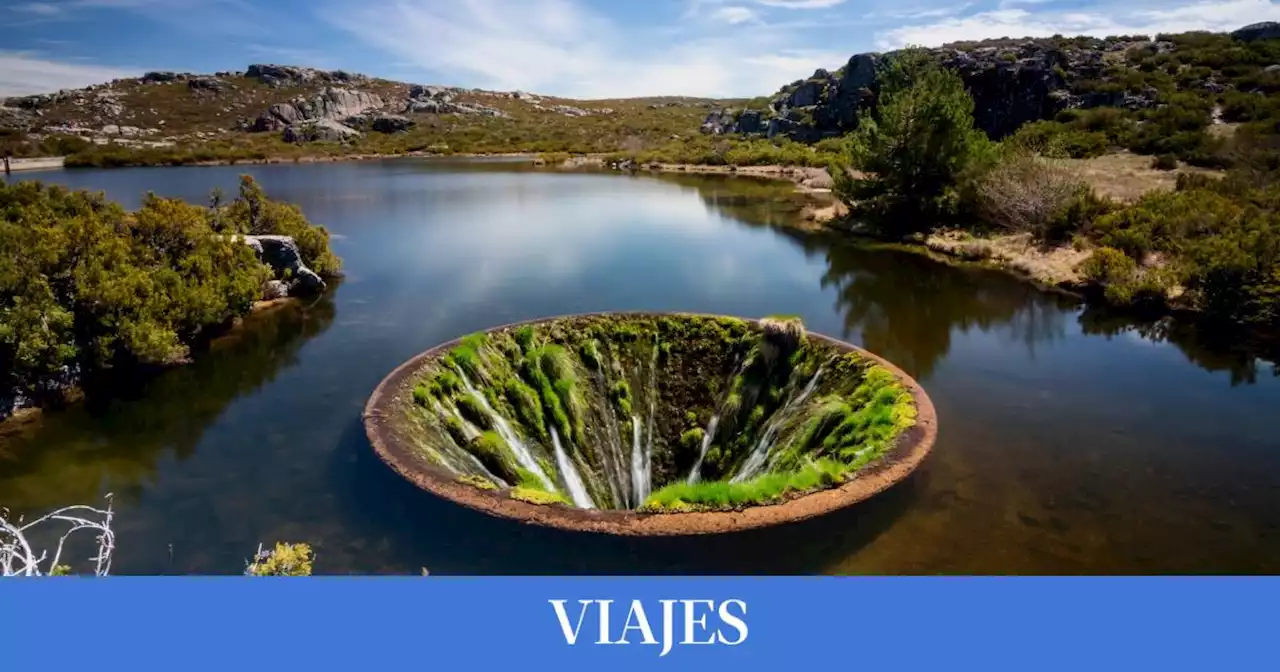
1012, 82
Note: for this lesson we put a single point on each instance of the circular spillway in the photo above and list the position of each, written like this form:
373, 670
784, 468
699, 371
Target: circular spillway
651, 423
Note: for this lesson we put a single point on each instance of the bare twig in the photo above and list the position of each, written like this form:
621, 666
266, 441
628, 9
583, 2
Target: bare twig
18, 558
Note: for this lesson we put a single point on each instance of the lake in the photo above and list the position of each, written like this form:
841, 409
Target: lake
1070, 441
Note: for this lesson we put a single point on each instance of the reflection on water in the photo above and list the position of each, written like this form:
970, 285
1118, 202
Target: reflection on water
1071, 441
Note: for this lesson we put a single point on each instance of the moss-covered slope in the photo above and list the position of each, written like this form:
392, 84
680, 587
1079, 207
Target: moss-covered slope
669, 412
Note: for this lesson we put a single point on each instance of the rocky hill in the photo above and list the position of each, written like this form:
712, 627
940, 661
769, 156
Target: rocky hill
1018, 81
267, 105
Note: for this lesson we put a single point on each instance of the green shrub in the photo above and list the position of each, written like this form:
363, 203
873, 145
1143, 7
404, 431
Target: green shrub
1059, 140
1165, 162
283, 560
86, 287
1108, 266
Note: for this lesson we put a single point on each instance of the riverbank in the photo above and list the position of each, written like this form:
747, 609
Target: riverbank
1121, 177
40, 163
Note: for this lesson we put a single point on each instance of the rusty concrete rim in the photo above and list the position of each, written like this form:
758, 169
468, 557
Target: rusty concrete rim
911, 448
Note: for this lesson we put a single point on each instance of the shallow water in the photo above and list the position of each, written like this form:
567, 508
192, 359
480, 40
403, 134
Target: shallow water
1069, 442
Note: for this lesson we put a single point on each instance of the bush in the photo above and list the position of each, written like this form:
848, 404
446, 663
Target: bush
1059, 140
283, 560
1165, 162
1025, 193
253, 213
1107, 266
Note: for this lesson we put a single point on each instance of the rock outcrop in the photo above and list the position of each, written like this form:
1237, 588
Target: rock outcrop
1266, 30
282, 255
332, 104
391, 123
1011, 85
442, 100
312, 130
291, 75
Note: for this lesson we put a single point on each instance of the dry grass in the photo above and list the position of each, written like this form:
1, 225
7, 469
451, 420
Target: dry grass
1027, 193
1051, 265
1125, 176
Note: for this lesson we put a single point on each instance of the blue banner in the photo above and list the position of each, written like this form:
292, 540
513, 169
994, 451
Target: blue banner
618, 624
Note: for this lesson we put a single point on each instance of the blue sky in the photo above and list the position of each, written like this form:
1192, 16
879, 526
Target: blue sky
579, 48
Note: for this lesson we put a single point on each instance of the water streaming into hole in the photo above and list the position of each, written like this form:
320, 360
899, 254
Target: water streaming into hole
639, 480
696, 473
500, 425
573, 481
757, 458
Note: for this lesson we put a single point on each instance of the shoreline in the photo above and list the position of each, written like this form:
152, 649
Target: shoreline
31, 416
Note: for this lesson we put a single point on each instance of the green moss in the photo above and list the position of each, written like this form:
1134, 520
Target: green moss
540, 497
421, 396
496, 456
770, 487
527, 406
466, 355
843, 434
590, 352
473, 411
447, 382
524, 337
692, 439
477, 482
453, 427
620, 394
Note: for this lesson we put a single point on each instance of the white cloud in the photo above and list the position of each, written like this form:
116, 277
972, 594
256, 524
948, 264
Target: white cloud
41, 8
1096, 21
735, 15
21, 74
559, 47
801, 4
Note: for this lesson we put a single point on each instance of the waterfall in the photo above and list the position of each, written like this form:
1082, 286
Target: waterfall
500, 424
642, 491
570, 472
696, 472
757, 457
639, 479
615, 467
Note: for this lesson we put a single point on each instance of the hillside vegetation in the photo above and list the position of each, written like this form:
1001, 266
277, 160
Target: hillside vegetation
916, 164
166, 118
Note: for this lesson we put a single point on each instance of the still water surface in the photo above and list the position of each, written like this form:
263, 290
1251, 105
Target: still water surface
1070, 442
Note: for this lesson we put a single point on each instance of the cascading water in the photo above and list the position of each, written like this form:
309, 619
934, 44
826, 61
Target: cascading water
653, 407
500, 425
758, 456
696, 473
639, 479
577, 491
616, 468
